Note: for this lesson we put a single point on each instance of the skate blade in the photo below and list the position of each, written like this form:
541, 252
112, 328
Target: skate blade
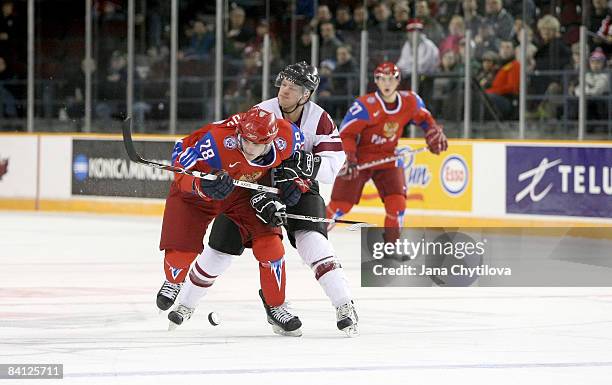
278, 330
351, 331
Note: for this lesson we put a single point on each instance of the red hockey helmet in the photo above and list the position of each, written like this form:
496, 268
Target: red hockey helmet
257, 126
389, 69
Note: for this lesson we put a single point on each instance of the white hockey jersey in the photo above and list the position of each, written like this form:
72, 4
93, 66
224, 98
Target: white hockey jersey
321, 137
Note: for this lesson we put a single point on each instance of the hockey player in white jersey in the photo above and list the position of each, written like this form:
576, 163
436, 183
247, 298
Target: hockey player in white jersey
319, 161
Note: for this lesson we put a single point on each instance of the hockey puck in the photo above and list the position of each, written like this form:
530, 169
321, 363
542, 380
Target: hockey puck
213, 318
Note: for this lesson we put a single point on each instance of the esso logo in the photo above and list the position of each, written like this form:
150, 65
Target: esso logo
454, 175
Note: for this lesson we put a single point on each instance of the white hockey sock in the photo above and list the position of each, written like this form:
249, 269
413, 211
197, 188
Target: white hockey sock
207, 267
335, 285
316, 250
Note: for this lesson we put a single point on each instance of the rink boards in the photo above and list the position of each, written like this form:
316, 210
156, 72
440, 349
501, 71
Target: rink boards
477, 183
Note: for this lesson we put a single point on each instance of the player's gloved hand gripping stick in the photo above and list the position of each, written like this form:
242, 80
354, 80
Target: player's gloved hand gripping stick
401, 154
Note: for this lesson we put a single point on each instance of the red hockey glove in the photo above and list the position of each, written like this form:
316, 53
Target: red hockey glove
436, 140
349, 170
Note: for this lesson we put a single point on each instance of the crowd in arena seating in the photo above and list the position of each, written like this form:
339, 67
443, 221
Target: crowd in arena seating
11, 30
495, 27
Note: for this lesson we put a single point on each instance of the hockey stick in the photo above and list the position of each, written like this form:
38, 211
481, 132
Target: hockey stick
135, 157
388, 159
354, 225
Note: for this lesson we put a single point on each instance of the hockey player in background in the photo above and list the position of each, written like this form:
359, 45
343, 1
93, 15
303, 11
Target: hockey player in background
245, 147
370, 131
319, 161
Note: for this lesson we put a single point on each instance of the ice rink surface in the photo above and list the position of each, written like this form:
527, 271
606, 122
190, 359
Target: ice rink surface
80, 289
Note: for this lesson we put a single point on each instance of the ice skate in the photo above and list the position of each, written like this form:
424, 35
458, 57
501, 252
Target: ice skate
167, 295
347, 318
180, 314
283, 322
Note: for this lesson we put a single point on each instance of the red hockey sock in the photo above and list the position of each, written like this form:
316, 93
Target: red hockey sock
269, 252
272, 279
394, 218
338, 207
176, 264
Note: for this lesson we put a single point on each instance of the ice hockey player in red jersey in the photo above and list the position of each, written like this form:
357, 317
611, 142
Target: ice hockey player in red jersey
244, 147
370, 131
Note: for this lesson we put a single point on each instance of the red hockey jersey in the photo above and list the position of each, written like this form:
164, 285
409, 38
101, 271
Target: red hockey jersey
371, 131
215, 147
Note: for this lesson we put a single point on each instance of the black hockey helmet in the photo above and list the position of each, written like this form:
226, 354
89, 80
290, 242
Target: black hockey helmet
301, 74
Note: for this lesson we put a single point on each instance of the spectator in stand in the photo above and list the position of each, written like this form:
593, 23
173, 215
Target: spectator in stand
456, 30
474, 62
379, 32
574, 67
489, 67
325, 84
344, 19
431, 27
518, 38
531, 51
8, 106
382, 18
360, 15
329, 42
324, 15
9, 29
260, 31
442, 11
345, 81
505, 88
238, 34
74, 92
245, 91
485, 40
604, 35
517, 29
447, 90
498, 19
599, 12
401, 15
484, 76
473, 20
596, 83
428, 53
552, 55
201, 43
303, 49
515, 8
111, 101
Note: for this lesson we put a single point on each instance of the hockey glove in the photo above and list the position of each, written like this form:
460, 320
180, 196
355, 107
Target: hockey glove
269, 209
436, 140
217, 189
349, 170
302, 164
291, 191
